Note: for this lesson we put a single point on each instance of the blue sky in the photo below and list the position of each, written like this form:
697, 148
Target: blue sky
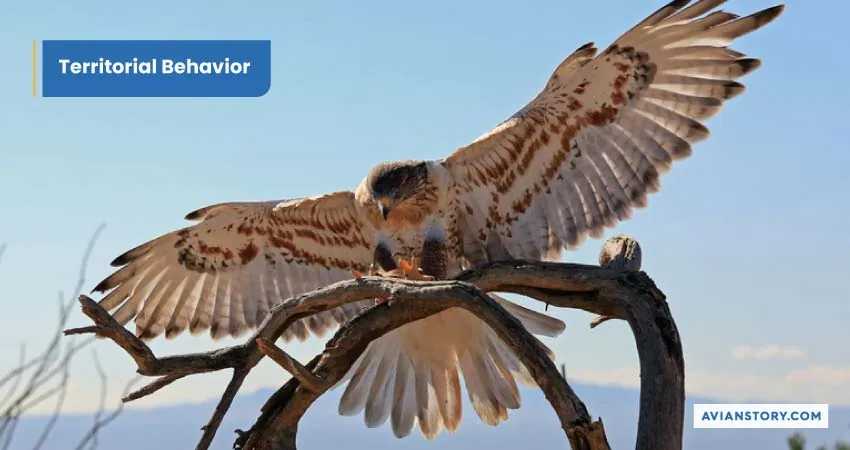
747, 237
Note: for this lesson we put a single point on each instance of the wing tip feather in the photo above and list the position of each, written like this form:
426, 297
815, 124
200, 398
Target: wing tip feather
146, 334
748, 65
766, 16
103, 286
124, 258
585, 47
196, 215
733, 89
173, 332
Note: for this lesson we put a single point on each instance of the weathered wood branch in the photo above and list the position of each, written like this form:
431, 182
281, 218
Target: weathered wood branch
621, 253
415, 301
619, 294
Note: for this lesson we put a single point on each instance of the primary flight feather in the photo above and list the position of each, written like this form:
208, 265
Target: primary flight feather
576, 160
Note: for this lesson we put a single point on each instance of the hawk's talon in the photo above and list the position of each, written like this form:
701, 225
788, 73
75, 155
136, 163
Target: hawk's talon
407, 269
412, 270
425, 276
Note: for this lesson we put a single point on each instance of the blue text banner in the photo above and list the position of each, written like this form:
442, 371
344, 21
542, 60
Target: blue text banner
156, 68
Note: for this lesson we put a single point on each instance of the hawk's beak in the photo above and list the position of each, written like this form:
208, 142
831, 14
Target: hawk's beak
384, 204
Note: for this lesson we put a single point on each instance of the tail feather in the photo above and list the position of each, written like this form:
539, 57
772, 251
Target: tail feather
379, 402
404, 398
411, 375
428, 415
362, 374
533, 321
482, 392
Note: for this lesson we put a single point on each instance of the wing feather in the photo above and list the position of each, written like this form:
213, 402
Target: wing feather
593, 144
225, 272
179, 321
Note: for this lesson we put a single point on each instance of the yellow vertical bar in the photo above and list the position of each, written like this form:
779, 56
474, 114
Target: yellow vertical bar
34, 68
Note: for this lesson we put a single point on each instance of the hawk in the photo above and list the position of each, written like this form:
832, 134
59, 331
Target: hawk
576, 160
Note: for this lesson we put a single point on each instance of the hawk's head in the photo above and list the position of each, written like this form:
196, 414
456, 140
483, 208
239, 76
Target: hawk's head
391, 183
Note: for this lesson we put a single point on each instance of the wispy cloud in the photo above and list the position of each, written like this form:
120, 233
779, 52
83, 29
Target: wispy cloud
813, 384
768, 352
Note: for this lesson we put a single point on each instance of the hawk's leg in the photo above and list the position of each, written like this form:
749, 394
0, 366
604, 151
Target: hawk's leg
385, 261
384, 258
434, 261
382, 262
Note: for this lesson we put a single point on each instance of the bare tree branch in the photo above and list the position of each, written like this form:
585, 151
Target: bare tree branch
100, 423
149, 389
288, 363
617, 293
15, 375
63, 390
46, 376
102, 405
629, 296
44, 370
621, 253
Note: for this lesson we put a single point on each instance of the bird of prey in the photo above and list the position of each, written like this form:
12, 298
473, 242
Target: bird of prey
577, 159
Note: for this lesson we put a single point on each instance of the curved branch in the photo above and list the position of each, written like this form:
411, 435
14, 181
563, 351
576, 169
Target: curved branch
414, 301
626, 295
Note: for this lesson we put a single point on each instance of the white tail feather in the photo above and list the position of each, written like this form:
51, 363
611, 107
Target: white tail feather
410, 374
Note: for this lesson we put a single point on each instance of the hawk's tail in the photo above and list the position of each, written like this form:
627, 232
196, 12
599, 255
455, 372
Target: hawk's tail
411, 374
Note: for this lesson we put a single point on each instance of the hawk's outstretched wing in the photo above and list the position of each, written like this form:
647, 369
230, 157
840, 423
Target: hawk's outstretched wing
591, 146
241, 259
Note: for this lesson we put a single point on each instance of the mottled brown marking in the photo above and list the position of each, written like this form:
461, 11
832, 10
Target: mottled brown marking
566, 116
205, 249
246, 229
482, 178
524, 203
601, 117
529, 152
311, 235
248, 253
581, 87
544, 137
617, 98
617, 95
